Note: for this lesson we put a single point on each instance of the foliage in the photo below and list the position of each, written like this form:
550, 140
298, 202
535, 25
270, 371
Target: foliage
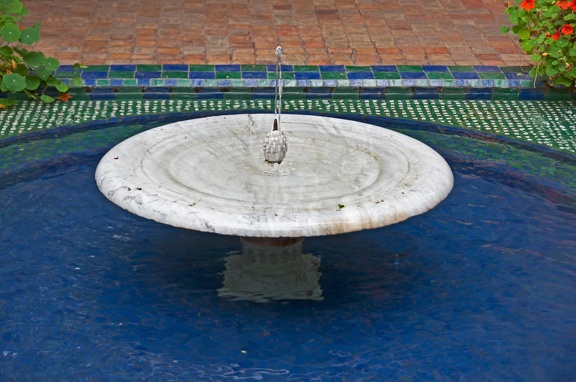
23, 70
546, 32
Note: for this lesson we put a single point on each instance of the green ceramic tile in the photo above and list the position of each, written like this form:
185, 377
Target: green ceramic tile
558, 94
174, 74
238, 95
399, 93
102, 82
184, 96
306, 68
452, 93
492, 76
129, 96
285, 76
461, 68
183, 83
228, 75
130, 82
253, 68
352, 68
149, 68
129, 89
211, 83
387, 75
501, 83
97, 68
333, 75
156, 82
409, 68
121, 74
202, 68
439, 75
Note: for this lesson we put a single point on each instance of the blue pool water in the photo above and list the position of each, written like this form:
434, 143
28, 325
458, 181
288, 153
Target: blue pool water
482, 288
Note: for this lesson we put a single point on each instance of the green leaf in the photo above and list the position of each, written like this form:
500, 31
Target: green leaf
61, 87
524, 34
14, 82
8, 102
504, 29
562, 80
535, 57
562, 42
32, 82
29, 36
10, 33
10, 6
6, 51
572, 72
76, 82
46, 98
51, 63
572, 52
3, 88
528, 45
533, 71
34, 59
570, 16
551, 70
21, 51
44, 74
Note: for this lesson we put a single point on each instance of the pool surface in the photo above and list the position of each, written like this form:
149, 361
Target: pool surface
480, 288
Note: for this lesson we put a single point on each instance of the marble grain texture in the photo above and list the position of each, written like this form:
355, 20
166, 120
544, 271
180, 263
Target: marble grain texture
338, 176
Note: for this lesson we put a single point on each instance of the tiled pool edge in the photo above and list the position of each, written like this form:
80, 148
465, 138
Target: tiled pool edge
106, 82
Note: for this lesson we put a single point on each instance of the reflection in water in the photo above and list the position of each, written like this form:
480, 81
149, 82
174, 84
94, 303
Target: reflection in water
271, 271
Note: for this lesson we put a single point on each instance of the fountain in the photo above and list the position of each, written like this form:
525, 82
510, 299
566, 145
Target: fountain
338, 176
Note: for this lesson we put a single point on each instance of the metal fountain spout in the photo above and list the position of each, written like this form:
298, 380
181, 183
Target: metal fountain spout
275, 144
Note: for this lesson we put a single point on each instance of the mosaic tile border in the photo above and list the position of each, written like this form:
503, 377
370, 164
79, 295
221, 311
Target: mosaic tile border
542, 123
309, 81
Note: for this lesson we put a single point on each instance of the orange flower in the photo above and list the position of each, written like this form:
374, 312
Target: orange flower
556, 36
528, 4
567, 29
64, 97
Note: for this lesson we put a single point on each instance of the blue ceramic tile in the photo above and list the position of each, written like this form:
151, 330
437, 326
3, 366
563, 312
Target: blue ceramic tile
384, 68
254, 75
116, 82
197, 83
251, 82
409, 82
202, 75
488, 83
228, 68
101, 96
360, 75
224, 82
487, 69
175, 68
413, 75
332, 68
171, 82
356, 83
332, 83
65, 68
303, 82
436, 83
435, 68
517, 75
465, 75
89, 82
94, 75
307, 76
143, 81
425, 93
531, 94
122, 68
285, 68
147, 74
211, 95
478, 93
514, 83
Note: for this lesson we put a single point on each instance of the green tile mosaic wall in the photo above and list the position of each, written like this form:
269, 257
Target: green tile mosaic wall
547, 123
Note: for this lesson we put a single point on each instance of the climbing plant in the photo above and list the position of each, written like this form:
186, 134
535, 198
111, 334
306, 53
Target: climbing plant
545, 29
23, 70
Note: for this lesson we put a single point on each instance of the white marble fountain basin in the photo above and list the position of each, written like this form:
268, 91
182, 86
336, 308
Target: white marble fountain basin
208, 174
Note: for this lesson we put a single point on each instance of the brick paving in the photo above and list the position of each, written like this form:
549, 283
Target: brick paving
312, 32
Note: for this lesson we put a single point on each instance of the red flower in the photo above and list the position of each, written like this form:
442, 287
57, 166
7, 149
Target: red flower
528, 4
564, 4
573, 6
556, 36
567, 29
